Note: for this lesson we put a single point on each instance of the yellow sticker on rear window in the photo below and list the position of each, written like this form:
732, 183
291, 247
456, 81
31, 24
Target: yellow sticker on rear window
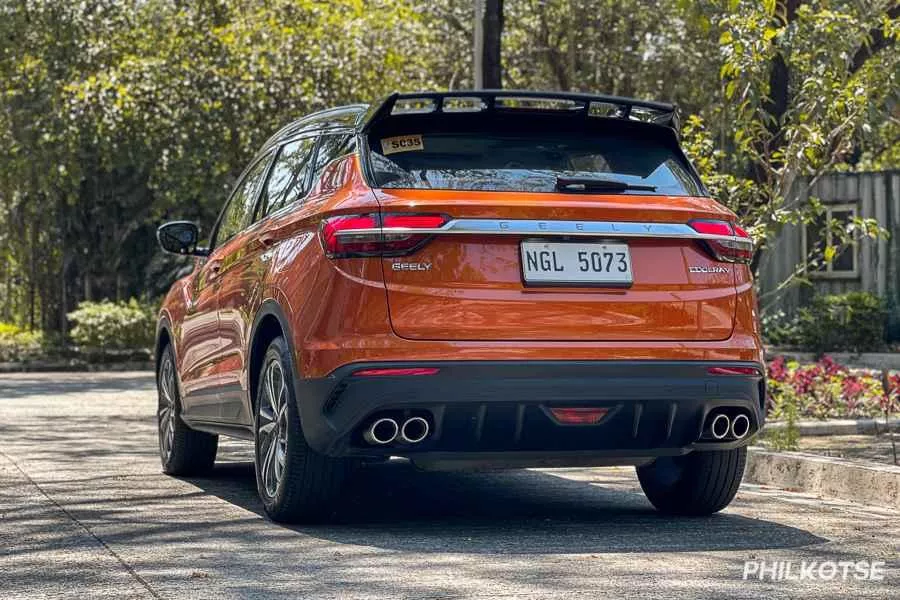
401, 143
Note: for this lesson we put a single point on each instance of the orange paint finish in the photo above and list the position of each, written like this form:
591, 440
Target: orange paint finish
471, 303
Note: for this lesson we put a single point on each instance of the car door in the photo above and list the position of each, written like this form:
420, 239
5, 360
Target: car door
206, 386
199, 343
240, 293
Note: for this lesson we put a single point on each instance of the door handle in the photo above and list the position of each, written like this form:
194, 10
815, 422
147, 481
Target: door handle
213, 267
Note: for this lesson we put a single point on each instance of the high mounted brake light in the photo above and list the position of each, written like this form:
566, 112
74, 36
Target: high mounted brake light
726, 242
350, 236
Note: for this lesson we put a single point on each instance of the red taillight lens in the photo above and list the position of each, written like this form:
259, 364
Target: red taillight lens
712, 227
400, 372
376, 235
751, 371
351, 235
414, 221
731, 244
579, 416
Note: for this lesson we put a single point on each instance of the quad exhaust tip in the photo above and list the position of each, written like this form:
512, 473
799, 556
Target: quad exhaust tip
414, 430
383, 431
740, 426
720, 426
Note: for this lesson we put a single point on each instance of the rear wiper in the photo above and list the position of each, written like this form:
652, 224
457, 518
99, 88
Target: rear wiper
580, 185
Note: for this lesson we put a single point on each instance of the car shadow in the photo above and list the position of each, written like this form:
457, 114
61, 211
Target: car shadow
395, 506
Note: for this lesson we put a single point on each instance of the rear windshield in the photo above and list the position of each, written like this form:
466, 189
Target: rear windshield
528, 157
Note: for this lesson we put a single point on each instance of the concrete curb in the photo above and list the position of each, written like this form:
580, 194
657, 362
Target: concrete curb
838, 426
831, 477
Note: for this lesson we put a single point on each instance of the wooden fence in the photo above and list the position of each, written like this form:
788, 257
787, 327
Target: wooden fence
871, 265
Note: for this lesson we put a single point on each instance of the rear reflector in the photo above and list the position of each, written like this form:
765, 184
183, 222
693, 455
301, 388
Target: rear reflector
578, 416
735, 245
396, 372
751, 371
349, 236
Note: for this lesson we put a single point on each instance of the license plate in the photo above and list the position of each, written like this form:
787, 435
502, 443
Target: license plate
576, 263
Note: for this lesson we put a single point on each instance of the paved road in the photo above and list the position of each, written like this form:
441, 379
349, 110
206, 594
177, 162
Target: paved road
85, 512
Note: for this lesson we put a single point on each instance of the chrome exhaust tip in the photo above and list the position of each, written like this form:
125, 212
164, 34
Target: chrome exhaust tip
720, 426
414, 430
381, 432
740, 426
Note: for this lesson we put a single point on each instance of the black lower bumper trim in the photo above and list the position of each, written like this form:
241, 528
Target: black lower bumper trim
655, 408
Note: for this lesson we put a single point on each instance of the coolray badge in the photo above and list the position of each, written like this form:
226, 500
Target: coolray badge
713, 269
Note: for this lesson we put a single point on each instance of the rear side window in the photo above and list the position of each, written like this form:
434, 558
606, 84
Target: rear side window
332, 146
519, 155
289, 179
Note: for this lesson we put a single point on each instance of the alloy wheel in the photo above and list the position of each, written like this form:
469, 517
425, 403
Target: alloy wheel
167, 409
272, 427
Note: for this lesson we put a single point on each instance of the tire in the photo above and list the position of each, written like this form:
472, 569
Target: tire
182, 450
699, 483
295, 483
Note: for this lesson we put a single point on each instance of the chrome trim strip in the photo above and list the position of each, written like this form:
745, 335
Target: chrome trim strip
615, 229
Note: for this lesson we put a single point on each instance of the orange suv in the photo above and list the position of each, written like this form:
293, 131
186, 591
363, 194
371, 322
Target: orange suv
467, 279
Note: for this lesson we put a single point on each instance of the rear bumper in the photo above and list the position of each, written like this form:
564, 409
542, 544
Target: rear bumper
491, 410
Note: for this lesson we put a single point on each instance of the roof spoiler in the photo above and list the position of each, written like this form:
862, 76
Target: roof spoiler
474, 101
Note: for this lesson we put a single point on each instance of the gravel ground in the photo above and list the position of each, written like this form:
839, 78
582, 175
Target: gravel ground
86, 513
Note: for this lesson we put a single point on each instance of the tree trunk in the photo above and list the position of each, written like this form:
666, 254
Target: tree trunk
32, 276
488, 29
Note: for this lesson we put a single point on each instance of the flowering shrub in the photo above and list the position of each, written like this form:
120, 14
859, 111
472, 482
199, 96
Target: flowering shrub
826, 389
18, 344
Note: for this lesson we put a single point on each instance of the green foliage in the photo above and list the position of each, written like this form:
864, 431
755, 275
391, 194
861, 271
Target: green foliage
117, 115
854, 322
113, 325
18, 345
785, 406
780, 329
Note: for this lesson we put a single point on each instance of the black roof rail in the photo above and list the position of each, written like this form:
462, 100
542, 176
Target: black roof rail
589, 105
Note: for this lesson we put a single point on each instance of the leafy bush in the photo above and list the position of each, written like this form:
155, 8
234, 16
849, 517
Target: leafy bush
780, 329
18, 345
855, 321
828, 390
113, 325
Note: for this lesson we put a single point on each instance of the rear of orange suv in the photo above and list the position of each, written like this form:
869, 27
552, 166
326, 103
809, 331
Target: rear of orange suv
560, 290
508, 279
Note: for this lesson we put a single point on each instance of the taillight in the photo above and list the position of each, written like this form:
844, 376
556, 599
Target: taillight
376, 235
725, 241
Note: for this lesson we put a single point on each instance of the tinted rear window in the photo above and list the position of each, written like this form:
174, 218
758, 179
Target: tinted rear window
526, 155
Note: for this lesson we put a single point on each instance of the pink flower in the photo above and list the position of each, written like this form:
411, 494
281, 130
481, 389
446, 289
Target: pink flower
852, 388
777, 369
830, 366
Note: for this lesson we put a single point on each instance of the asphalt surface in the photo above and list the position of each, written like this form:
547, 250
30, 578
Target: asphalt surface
86, 513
